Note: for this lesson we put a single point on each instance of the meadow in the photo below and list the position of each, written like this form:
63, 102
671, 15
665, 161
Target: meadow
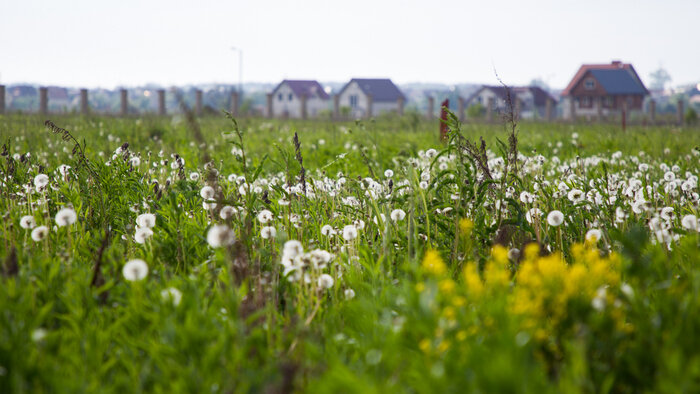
218, 255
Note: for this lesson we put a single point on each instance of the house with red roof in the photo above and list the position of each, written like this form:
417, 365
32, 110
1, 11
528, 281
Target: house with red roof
299, 99
599, 90
369, 97
532, 100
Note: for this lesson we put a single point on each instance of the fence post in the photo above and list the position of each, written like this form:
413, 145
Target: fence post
161, 102
269, 106
234, 103
489, 109
431, 107
572, 109
370, 104
518, 108
84, 106
679, 112
2, 99
652, 111
460, 108
399, 105
302, 100
599, 108
336, 106
43, 101
198, 101
124, 100
548, 106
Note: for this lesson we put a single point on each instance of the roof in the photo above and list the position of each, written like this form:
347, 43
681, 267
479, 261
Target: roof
618, 78
379, 89
309, 88
539, 95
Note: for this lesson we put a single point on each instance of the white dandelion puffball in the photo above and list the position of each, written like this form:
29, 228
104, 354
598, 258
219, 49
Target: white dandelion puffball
555, 218
593, 235
207, 192
576, 195
268, 232
227, 212
397, 215
147, 220
325, 281
264, 216
349, 232
171, 294
142, 234
135, 270
65, 217
532, 214
689, 222
41, 180
292, 249
27, 222
327, 230
430, 153
194, 176
349, 294
39, 233
220, 235
388, 173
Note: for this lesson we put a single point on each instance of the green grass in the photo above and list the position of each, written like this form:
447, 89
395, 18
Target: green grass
618, 314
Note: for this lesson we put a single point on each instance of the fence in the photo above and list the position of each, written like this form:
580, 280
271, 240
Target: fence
571, 112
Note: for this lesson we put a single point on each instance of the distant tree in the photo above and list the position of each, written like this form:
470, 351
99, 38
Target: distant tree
476, 111
691, 117
540, 83
659, 79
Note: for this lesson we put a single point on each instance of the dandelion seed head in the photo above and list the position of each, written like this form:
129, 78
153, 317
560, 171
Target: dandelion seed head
220, 235
135, 270
27, 222
146, 220
398, 215
207, 192
40, 181
65, 217
227, 212
142, 234
268, 232
325, 281
555, 218
349, 232
172, 295
39, 233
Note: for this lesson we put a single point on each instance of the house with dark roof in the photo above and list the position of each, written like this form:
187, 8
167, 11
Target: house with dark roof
298, 99
369, 97
529, 101
603, 89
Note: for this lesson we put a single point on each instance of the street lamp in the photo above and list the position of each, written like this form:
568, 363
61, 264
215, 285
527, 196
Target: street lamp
240, 71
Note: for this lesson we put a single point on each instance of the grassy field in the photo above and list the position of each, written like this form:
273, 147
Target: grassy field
173, 255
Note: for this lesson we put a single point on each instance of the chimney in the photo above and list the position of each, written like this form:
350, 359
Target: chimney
617, 63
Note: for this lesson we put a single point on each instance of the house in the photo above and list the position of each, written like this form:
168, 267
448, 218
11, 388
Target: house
298, 99
603, 89
368, 97
530, 102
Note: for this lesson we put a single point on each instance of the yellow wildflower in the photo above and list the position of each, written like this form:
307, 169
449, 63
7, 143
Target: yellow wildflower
465, 227
433, 264
446, 286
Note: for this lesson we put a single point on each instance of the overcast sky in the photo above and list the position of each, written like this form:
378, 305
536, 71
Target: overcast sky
91, 43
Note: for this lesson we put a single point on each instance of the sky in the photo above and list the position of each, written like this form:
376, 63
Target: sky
92, 43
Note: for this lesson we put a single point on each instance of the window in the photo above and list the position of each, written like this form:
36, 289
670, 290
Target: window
589, 84
290, 97
585, 102
279, 97
353, 101
608, 102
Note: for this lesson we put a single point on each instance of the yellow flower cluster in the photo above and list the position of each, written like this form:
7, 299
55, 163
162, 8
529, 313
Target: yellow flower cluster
549, 292
432, 263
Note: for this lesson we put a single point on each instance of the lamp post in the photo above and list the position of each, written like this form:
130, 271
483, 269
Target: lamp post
240, 72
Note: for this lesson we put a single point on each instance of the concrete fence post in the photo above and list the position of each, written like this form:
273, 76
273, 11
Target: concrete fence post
489, 109
302, 99
198, 102
370, 104
234, 103
460, 108
652, 111
518, 108
2, 99
336, 107
572, 109
431, 107
599, 109
124, 102
269, 106
679, 112
84, 106
548, 106
161, 102
43, 101
399, 105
